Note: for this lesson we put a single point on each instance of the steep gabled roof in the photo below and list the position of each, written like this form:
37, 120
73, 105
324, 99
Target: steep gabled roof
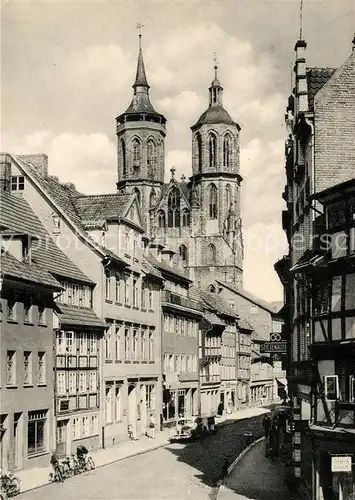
163, 266
217, 303
181, 186
316, 78
101, 207
78, 316
249, 296
17, 215
23, 271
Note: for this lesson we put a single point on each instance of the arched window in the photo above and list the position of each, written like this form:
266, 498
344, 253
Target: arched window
151, 157
199, 152
183, 253
227, 152
212, 200
212, 145
211, 254
161, 218
124, 161
152, 198
185, 217
228, 196
174, 208
138, 193
136, 151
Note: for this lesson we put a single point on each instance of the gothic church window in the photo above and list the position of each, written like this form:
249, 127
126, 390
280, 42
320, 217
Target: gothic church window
124, 161
152, 198
212, 202
185, 217
212, 145
174, 208
136, 151
183, 253
161, 219
151, 158
227, 152
211, 253
228, 196
199, 152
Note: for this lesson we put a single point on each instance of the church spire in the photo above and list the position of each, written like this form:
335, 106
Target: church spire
216, 88
141, 78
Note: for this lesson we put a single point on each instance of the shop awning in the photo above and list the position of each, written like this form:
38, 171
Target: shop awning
213, 319
305, 264
281, 382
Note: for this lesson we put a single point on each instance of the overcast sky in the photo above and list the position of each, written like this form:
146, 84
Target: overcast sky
68, 68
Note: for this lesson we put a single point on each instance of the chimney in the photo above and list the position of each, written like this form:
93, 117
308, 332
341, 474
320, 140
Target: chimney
301, 103
5, 172
38, 161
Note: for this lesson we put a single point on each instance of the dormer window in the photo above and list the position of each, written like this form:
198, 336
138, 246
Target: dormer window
17, 183
56, 223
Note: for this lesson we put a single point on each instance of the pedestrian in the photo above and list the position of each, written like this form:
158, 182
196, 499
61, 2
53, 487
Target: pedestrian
220, 409
130, 432
152, 426
266, 425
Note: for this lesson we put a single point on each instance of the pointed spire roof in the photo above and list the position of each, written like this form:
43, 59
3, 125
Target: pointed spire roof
141, 78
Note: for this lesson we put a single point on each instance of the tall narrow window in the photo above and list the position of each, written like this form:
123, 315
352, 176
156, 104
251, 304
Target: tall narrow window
150, 347
151, 158
117, 342
212, 202
212, 254
199, 152
11, 368
152, 198
174, 208
27, 368
183, 253
228, 196
227, 152
161, 218
127, 345
41, 367
136, 150
124, 161
185, 217
107, 284
212, 146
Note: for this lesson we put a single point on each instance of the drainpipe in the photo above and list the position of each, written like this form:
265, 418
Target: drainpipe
237, 350
101, 378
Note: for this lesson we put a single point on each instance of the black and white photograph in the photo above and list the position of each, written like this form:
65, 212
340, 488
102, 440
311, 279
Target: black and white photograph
177, 268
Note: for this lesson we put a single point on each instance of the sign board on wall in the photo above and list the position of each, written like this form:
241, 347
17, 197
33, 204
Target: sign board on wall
273, 347
341, 463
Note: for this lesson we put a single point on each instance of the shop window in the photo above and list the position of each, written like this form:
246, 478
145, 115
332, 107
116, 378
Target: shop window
331, 387
36, 435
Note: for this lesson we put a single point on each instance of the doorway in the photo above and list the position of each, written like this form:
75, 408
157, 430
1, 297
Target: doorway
62, 437
18, 434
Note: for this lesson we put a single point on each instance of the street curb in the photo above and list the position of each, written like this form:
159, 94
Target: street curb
136, 454
235, 463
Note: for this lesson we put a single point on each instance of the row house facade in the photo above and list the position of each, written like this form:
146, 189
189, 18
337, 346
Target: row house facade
259, 320
102, 236
319, 153
181, 317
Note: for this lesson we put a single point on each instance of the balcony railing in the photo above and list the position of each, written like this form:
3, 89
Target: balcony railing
207, 379
179, 300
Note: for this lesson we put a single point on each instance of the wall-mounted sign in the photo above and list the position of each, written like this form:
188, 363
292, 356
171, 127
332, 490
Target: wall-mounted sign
341, 463
273, 347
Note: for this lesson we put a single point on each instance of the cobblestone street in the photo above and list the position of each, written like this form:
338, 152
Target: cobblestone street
177, 472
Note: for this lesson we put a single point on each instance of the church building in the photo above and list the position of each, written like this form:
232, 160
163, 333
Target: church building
199, 218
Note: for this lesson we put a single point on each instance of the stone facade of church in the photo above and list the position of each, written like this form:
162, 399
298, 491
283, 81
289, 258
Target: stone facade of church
199, 218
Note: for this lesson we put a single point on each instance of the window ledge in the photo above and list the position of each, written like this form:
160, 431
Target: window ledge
42, 384
12, 321
28, 323
127, 362
108, 361
11, 386
108, 301
143, 309
43, 325
127, 255
144, 362
27, 385
136, 308
128, 306
118, 303
151, 362
38, 454
151, 310
118, 361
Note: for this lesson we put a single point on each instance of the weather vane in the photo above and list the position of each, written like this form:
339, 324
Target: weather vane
139, 28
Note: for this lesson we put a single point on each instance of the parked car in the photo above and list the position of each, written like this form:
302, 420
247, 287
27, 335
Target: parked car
189, 429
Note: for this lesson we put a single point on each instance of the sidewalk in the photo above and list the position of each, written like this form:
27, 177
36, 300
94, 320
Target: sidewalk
39, 476
256, 477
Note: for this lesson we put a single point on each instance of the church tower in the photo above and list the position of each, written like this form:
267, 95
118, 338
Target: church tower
216, 182
140, 145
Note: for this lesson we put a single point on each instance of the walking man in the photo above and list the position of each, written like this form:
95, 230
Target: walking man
152, 426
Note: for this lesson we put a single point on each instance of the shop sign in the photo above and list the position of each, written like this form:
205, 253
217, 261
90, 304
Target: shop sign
341, 463
273, 347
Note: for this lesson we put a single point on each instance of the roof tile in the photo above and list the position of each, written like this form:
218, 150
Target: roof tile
316, 78
78, 316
